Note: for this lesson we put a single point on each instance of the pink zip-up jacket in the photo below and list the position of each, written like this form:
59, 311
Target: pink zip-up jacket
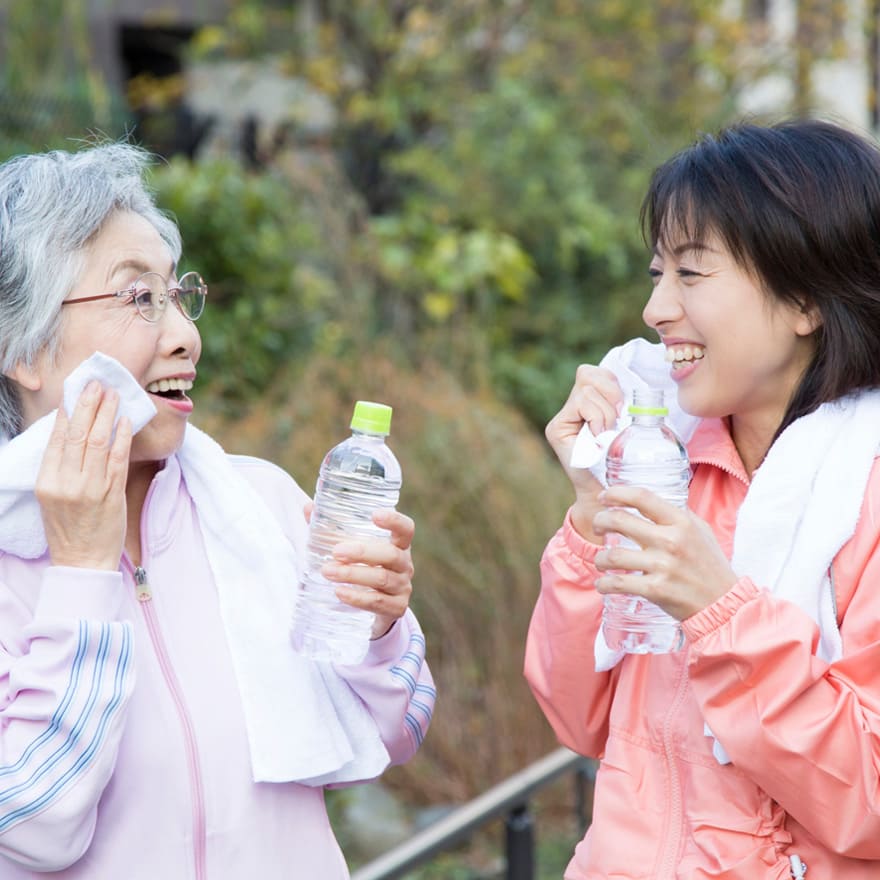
803, 734
123, 751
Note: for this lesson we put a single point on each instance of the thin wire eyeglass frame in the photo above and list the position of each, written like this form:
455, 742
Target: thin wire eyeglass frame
154, 284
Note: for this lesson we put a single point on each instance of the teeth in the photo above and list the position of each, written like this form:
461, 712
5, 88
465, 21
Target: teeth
170, 385
681, 353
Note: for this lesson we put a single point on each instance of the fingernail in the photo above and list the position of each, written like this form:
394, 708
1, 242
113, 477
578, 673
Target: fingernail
329, 570
92, 390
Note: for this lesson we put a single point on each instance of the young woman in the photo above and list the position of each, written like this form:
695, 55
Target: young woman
753, 752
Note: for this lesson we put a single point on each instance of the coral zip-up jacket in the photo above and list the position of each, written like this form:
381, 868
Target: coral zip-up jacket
803, 734
123, 752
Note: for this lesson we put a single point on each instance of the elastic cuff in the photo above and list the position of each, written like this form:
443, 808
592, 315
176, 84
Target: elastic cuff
390, 645
79, 593
576, 543
714, 616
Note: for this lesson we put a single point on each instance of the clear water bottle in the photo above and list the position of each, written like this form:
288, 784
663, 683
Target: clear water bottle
646, 453
357, 477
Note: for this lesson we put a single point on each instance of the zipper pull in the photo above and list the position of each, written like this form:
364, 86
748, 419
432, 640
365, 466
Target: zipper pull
142, 588
798, 868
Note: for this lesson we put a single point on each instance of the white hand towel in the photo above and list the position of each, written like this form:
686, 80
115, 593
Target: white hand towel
21, 526
304, 722
133, 400
802, 506
638, 364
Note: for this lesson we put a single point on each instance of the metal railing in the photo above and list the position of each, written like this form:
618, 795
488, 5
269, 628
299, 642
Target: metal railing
510, 799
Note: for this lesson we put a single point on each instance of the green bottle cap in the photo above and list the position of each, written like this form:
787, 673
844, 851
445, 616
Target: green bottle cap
634, 410
373, 418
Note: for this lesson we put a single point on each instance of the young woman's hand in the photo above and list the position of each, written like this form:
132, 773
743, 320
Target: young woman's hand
683, 568
594, 400
381, 571
81, 483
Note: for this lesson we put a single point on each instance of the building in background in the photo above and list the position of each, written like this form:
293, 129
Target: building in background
132, 37
825, 56
103, 65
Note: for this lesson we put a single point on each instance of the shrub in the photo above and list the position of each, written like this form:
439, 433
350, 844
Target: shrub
271, 291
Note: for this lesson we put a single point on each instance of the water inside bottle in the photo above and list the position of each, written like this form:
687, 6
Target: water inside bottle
637, 626
352, 484
655, 458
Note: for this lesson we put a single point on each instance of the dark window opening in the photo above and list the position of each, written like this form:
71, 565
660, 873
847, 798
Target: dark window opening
152, 68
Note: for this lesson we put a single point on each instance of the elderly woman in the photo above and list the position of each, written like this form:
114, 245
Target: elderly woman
155, 721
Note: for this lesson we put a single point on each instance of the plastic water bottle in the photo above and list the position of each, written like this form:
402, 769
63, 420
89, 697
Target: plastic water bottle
646, 453
357, 477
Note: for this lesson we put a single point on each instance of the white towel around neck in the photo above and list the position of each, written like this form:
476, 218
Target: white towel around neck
801, 507
304, 722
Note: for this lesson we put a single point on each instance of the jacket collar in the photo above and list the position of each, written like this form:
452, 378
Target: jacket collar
712, 444
162, 509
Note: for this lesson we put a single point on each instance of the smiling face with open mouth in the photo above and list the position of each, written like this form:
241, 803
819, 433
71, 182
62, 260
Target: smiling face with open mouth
162, 356
733, 349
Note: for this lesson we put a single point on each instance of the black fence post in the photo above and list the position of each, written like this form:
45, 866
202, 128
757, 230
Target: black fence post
508, 799
520, 833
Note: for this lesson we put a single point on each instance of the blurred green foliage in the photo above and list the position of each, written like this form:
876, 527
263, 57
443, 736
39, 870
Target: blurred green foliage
478, 200
50, 87
497, 153
249, 238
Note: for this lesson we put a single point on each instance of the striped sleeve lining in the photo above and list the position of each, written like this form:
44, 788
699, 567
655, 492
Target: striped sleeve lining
422, 696
100, 677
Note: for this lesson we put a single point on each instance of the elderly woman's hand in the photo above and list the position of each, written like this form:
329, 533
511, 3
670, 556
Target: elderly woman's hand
381, 571
81, 483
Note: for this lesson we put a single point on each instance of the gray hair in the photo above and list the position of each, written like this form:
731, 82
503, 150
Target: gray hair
51, 207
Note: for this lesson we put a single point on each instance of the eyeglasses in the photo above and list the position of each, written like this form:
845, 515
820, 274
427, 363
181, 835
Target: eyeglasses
150, 295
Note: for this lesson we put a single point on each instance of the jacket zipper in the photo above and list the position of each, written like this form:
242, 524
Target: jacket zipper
721, 467
145, 596
674, 825
798, 868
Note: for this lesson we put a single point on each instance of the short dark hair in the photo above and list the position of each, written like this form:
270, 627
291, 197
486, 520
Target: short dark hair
797, 204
